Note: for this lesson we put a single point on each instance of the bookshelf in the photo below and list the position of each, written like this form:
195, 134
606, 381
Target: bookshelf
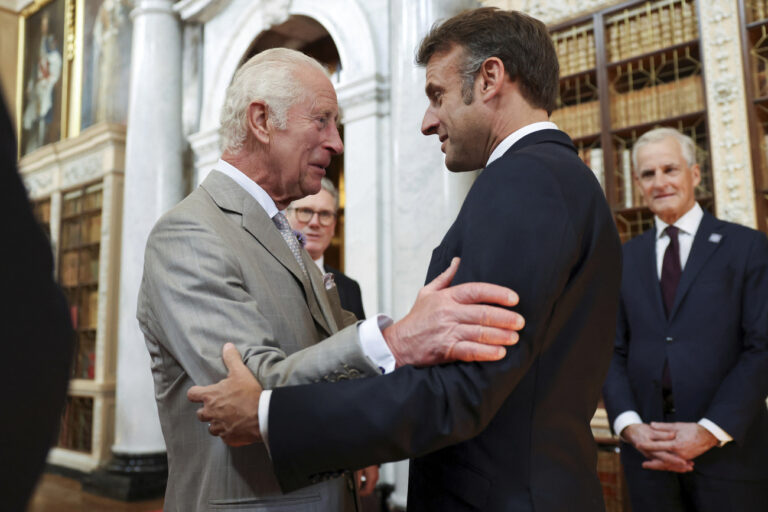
754, 37
638, 66
76, 186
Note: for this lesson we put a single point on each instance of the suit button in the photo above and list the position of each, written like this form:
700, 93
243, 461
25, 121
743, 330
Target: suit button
670, 339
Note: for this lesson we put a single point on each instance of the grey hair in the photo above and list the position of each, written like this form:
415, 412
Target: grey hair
269, 76
327, 185
687, 146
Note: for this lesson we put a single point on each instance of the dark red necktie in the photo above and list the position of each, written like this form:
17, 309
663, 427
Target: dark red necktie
670, 269
670, 278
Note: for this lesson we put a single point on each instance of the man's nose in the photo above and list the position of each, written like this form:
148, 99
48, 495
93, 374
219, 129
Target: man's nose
315, 219
430, 123
334, 144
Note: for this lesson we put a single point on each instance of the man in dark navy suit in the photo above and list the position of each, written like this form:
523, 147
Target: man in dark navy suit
687, 385
315, 217
503, 436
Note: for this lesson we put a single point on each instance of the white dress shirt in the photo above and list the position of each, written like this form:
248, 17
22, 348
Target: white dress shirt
515, 136
688, 225
372, 341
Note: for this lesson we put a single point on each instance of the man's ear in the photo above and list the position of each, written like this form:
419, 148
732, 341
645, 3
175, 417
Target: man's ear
258, 121
491, 77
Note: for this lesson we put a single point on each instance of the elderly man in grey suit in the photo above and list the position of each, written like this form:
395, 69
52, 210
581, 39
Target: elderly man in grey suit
223, 266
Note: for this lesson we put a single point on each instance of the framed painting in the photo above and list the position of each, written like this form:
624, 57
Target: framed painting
42, 81
106, 60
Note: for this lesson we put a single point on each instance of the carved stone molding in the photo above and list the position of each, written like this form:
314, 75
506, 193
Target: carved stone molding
84, 169
552, 11
39, 184
364, 97
726, 116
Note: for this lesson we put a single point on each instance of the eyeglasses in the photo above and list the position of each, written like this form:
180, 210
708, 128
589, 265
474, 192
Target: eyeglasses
304, 215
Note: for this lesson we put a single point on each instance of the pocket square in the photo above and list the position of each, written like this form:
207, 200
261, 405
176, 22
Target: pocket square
328, 281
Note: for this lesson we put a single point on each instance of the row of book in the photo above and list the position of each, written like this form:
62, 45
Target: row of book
575, 50
85, 310
756, 10
593, 157
578, 120
78, 202
77, 424
650, 27
629, 194
78, 267
84, 230
660, 101
84, 366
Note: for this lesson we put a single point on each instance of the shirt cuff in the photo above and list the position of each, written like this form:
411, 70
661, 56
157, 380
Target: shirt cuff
624, 420
722, 436
264, 399
373, 343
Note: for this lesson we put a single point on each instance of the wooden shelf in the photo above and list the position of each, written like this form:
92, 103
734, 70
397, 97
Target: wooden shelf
626, 130
80, 247
579, 74
84, 213
693, 44
757, 24
586, 139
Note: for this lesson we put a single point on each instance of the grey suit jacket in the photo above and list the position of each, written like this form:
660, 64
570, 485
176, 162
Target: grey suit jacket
216, 269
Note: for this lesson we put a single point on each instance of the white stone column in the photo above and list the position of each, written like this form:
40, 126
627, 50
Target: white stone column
423, 198
153, 183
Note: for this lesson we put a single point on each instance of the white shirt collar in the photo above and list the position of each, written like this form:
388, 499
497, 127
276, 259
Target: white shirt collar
515, 136
250, 186
319, 262
688, 223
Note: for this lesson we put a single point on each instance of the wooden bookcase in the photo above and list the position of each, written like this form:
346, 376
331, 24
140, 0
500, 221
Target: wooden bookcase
754, 37
625, 70
76, 186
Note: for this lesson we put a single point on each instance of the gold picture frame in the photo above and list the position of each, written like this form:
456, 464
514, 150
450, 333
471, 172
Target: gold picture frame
46, 34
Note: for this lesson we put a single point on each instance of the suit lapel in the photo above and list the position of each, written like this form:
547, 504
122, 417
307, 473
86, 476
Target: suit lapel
701, 251
228, 195
318, 286
649, 274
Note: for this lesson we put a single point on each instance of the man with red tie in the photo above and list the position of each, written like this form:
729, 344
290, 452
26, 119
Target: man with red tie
686, 389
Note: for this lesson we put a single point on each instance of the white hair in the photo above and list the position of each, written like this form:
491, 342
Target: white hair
269, 76
687, 146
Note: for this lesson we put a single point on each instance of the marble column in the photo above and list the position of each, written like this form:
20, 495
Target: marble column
424, 196
153, 184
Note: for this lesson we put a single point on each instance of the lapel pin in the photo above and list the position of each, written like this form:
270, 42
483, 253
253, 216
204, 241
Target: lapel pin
715, 238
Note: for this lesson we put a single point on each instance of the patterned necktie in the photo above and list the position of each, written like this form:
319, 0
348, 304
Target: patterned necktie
670, 269
293, 244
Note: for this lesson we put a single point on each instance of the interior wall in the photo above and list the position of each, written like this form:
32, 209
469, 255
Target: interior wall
9, 46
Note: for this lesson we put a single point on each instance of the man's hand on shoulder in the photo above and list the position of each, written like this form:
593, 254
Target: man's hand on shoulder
455, 323
231, 406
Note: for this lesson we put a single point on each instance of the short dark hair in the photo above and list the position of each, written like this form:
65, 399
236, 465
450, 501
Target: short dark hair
521, 42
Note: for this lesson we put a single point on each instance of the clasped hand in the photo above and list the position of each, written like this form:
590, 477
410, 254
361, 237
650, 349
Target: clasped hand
670, 446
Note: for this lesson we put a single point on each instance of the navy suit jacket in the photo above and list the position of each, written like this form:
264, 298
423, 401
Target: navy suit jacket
716, 342
508, 435
349, 292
